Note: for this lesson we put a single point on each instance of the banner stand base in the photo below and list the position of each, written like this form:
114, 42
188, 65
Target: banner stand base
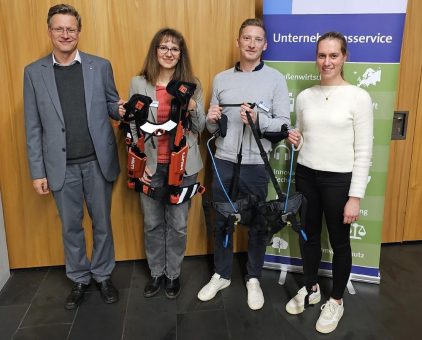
359, 277
282, 277
350, 287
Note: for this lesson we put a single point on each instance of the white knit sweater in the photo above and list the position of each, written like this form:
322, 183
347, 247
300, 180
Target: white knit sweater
336, 123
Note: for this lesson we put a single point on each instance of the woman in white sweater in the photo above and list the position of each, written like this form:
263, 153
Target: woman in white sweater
334, 132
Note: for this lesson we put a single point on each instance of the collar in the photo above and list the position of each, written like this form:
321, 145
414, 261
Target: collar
257, 68
76, 60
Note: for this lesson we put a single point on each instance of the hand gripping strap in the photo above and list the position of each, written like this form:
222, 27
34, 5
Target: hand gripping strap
273, 137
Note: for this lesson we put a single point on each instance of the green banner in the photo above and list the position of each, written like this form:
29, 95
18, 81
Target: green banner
365, 234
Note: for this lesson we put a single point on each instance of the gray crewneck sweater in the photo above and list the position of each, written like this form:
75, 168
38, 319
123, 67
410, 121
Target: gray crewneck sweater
265, 85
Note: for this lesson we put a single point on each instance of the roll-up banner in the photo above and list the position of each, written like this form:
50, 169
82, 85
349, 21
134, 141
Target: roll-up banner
374, 31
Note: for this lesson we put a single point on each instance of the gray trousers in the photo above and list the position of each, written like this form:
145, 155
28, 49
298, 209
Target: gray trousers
86, 182
165, 229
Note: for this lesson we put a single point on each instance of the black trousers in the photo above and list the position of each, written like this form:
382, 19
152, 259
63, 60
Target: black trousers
327, 193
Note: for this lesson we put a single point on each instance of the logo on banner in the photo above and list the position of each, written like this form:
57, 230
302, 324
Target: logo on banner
279, 244
357, 231
281, 152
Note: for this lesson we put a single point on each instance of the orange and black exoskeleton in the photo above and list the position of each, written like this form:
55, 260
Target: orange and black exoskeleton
137, 109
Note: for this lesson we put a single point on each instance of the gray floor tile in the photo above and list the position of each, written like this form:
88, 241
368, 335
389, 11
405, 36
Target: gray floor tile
153, 319
10, 318
33, 300
47, 306
22, 286
203, 325
96, 320
45, 332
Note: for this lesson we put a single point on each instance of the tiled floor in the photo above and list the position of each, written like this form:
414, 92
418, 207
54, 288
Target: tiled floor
31, 305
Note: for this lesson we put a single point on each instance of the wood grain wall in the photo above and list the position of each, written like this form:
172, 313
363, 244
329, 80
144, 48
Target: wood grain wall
119, 30
403, 197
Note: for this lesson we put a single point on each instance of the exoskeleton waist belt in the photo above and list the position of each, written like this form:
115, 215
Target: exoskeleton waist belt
269, 215
173, 195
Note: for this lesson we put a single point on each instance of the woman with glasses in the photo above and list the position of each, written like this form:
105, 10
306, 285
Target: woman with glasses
165, 225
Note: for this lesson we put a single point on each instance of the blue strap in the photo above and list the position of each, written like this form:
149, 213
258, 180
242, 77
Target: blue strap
292, 153
226, 240
290, 178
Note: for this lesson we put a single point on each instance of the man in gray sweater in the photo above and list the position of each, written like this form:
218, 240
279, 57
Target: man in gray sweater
250, 81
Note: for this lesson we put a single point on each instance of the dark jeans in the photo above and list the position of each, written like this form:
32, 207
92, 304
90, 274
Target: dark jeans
253, 179
326, 192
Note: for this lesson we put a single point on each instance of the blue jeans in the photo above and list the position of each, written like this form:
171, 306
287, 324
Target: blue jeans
165, 229
253, 180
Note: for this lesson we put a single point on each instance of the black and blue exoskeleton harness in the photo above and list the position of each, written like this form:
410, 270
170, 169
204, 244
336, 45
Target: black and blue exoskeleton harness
270, 216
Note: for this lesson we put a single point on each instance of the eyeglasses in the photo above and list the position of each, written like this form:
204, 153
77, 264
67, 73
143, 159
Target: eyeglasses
163, 49
248, 39
61, 30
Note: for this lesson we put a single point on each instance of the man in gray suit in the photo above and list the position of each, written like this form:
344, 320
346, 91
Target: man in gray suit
69, 97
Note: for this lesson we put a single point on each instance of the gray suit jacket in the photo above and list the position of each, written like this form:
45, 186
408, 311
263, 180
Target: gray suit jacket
44, 122
194, 161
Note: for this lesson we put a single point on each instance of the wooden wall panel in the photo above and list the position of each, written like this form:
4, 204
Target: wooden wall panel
401, 160
31, 222
119, 30
413, 230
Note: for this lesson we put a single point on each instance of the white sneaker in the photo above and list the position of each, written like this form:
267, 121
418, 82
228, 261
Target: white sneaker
331, 313
255, 296
211, 288
297, 304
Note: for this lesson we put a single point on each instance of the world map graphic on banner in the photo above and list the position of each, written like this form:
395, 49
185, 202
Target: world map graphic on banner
370, 77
